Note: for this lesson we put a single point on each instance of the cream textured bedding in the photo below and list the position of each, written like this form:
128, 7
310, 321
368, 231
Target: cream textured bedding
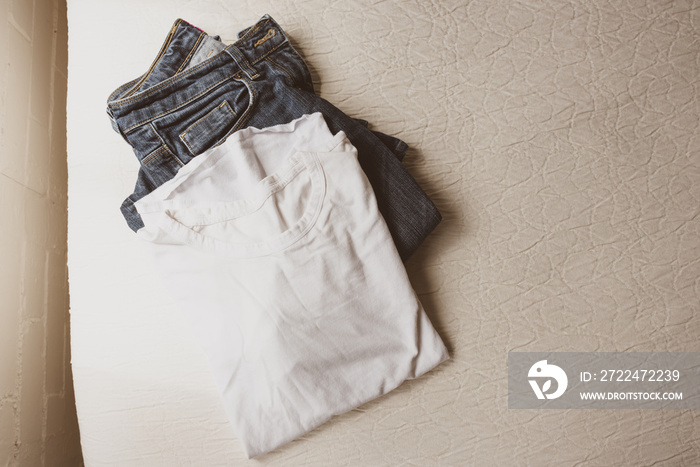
559, 140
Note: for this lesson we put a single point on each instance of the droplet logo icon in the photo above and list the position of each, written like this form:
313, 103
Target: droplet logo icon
542, 370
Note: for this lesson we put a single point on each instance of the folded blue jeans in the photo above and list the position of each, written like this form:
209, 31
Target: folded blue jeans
199, 90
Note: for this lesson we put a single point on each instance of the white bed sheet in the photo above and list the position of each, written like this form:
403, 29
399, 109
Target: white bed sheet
559, 140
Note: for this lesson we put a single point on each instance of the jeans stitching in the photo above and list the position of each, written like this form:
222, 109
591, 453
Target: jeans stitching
268, 53
245, 115
151, 118
157, 87
268, 35
165, 145
116, 92
189, 55
243, 63
201, 120
157, 60
152, 156
252, 31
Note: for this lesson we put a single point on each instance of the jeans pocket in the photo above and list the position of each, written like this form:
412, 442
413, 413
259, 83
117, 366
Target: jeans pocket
206, 131
207, 119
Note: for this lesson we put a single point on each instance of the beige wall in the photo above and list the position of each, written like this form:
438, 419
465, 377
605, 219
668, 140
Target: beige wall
38, 425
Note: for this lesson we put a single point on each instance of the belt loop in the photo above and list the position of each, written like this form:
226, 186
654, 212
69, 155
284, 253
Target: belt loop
241, 61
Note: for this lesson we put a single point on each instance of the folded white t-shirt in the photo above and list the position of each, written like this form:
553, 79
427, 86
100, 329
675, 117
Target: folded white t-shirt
273, 245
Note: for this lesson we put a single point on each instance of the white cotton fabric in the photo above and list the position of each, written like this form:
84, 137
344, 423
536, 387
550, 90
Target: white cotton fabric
273, 244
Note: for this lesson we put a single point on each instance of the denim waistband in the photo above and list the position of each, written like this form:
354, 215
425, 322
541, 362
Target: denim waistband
164, 87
